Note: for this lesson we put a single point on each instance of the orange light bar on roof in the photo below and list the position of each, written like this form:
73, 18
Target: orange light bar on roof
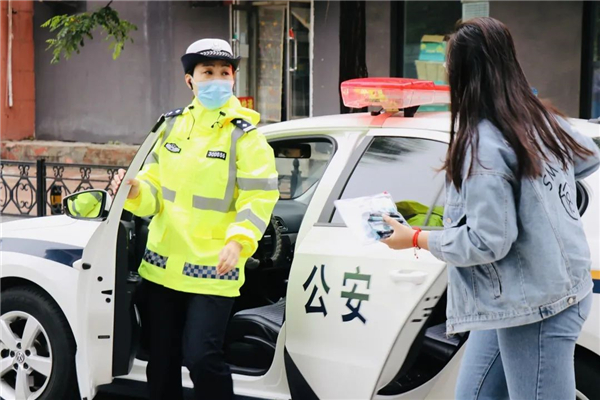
393, 94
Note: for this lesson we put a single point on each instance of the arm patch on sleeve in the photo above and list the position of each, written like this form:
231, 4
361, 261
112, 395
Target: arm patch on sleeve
243, 125
175, 112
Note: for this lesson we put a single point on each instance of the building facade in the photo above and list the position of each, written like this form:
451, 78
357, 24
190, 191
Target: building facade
291, 58
17, 70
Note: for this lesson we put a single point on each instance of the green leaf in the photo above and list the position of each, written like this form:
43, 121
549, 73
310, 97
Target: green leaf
117, 51
72, 29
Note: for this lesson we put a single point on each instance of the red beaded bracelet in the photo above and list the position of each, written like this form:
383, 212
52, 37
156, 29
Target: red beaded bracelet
415, 240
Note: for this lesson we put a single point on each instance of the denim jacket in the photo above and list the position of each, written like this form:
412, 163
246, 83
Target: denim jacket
515, 248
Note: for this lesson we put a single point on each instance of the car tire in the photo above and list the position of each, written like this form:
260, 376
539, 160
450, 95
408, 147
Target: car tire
45, 365
587, 374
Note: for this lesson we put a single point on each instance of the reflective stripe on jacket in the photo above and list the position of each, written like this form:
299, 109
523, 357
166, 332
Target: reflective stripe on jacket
208, 181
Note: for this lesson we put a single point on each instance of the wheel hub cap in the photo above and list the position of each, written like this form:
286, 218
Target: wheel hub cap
20, 357
26, 361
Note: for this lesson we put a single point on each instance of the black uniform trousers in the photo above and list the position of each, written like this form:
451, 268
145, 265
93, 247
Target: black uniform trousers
188, 328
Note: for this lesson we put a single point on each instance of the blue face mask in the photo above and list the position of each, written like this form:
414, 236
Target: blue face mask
215, 93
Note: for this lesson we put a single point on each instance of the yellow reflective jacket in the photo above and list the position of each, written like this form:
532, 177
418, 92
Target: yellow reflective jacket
209, 179
86, 205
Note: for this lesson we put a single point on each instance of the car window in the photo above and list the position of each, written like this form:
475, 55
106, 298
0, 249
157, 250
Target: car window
300, 163
408, 169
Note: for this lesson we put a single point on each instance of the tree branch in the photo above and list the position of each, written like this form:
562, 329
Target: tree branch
74, 29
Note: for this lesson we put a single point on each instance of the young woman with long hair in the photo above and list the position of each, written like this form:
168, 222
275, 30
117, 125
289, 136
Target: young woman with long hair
518, 260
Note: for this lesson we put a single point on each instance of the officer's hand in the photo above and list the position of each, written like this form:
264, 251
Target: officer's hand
229, 257
134, 191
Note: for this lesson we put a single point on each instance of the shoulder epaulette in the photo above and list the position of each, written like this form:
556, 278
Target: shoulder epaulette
243, 125
175, 112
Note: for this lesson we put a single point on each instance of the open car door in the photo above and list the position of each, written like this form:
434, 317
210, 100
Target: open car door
107, 318
354, 311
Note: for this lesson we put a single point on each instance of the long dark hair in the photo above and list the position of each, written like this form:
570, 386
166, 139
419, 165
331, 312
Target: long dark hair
487, 82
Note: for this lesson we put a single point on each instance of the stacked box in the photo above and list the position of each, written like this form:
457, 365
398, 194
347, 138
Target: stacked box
433, 48
430, 65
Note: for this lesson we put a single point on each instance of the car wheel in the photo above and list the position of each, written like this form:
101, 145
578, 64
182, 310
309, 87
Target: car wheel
587, 375
37, 349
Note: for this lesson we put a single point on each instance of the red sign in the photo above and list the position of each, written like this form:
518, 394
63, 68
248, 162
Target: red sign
247, 102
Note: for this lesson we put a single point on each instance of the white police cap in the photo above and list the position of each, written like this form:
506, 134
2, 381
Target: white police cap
208, 49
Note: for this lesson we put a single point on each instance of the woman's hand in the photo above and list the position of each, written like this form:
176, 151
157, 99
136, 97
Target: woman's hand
402, 236
229, 257
134, 191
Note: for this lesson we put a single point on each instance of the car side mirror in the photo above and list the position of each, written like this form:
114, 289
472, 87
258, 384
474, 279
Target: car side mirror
92, 204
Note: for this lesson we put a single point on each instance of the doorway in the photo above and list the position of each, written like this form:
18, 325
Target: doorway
275, 42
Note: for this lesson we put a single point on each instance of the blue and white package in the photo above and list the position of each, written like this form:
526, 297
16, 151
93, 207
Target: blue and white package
364, 216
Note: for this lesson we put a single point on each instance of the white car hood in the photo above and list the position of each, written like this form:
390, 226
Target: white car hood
56, 229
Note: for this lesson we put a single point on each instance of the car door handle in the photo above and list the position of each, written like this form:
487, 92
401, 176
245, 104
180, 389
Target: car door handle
407, 275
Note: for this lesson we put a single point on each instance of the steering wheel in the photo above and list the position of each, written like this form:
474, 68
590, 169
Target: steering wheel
265, 257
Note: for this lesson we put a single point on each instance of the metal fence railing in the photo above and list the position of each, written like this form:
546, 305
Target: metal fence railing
34, 189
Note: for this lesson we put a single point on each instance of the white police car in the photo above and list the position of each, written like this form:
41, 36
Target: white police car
320, 317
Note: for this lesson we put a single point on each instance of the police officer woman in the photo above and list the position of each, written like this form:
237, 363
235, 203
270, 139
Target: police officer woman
211, 184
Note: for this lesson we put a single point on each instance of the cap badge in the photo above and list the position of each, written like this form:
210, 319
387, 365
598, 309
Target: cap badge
216, 46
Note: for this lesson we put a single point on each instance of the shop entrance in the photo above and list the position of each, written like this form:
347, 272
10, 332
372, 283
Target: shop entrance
274, 40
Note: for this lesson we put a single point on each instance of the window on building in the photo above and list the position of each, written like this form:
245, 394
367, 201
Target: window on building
274, 39
426, 24
408, 169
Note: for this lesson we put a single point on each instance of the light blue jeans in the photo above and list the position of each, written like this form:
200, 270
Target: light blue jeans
529, 362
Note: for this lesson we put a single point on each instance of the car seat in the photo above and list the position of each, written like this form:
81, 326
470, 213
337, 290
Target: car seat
252, 337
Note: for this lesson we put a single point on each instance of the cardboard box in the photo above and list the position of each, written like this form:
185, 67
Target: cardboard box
433, 48
432, 71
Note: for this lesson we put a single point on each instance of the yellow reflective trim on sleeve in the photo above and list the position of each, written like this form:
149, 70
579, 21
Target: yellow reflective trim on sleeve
254, 219
258, 183
151, 159
154, 193
97, 196
168, 194
168, 130
74, 206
